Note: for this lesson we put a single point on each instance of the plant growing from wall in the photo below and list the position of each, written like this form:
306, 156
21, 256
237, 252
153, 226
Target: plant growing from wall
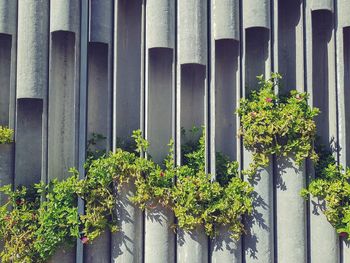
38, 229
332, 189
276, 124
6, 135
195, 199
18, 225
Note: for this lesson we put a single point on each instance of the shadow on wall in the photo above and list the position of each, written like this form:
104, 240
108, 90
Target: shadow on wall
289, 16
346, 34
322, 25
257, 53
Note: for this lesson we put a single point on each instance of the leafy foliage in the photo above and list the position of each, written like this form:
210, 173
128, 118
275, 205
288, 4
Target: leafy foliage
331, 185
195, 199
19, 225
277, 124
6, 135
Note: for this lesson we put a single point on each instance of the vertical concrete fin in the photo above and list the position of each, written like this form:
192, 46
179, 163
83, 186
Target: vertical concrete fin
192, 246
160, 26
5, 78
98, 113
64, 15
226, 19
192, 31
159, 130
28, 141
322, 89
343, 9
290, 178
343, 69
256, 13
225, 92
101, 21
259, 243
7, 150
62, 114
8, 14
127, 244
322, 5
32, 49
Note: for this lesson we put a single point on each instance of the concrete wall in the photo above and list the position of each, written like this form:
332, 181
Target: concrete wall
160, 65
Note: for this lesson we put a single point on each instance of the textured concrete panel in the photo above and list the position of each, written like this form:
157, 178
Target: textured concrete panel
192, 31
62, 114
343, 14
98, 114
8, 15
101, 21
159, 130
290, 59
32, 56
160, 23
344, 83
159, 237
290, 216
5, 77
322, 5
127, 242
159, 102
259, 242
224, 93
193, 83
28, 145
226, 19
257, 55
64, 15
322, 89
192, 246
6, 167
224, 248
256, 13
128, 67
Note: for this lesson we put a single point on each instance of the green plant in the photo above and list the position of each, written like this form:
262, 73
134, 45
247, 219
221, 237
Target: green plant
58, 216
331, 187
38, 228
276, 124
195, 199
18, 224
92, 150
6, 135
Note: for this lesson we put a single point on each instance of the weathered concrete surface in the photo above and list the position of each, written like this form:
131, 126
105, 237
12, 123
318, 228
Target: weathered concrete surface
8, 14
192, 31
256, 13
64, 15
160, 23
101, 21
32, 55
226, 19
291, 179
192, 246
